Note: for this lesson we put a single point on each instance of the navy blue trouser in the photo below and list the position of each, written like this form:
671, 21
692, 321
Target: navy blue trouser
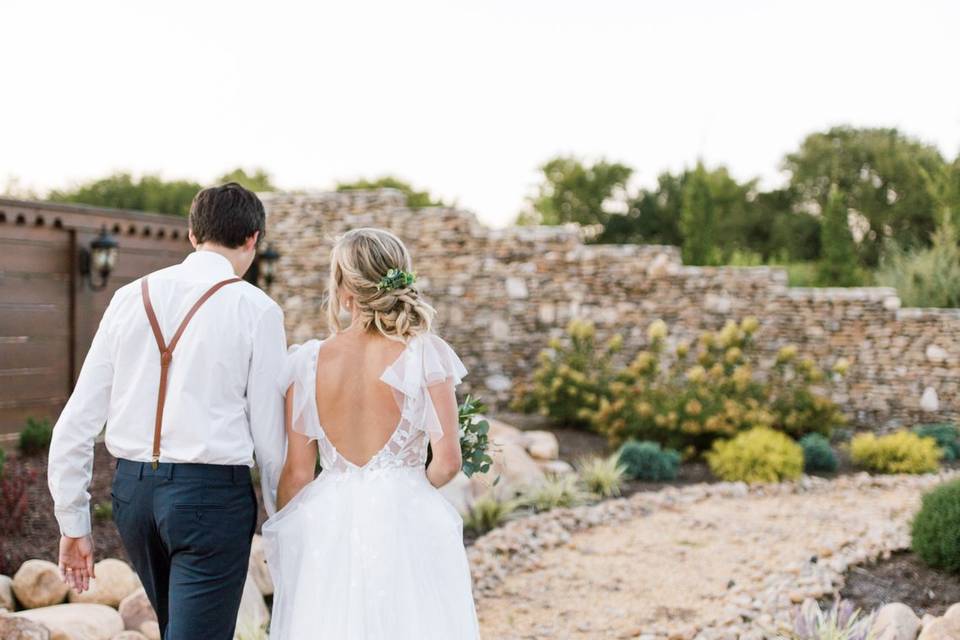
187, 529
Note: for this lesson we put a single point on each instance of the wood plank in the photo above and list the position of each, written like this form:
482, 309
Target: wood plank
34, 289
27, 383
31, 233
37, 320
26, 353
25, 257
13, 419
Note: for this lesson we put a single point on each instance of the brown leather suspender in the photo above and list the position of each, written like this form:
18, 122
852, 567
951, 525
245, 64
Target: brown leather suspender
166, 351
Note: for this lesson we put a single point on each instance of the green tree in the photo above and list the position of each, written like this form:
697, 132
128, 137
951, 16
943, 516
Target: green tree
697, 220
573, 191
838, 264
881, 172
258, 180
122, 191
415, 199
653, 215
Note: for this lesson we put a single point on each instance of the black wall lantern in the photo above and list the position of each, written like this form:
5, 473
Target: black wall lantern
98, 260
268, 262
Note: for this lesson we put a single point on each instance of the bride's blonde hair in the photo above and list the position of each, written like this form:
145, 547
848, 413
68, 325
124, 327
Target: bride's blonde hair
360, 259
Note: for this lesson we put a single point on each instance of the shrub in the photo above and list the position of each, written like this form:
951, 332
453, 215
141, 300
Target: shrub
841, 622
925, 276
935, 527
573, 374
35, 437
818, 455
758, 455
3, 461
555, 491
487, 513
14, 499
647, 461
901, 452
102, 512
602, 477
689, 396
946, 436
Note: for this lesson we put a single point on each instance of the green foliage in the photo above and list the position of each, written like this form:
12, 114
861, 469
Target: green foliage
574, 191
103, 512
554, 492
121, 191
934, 529
647, 461
688, 396
946, 435
3, 461
415, 199
257, 180
603, 477
488, 512
841, 622
818, 455
925, 276
697, 219
474, 437
900, 452
838, 262
35, 437
883, 174
572, 376
758, 455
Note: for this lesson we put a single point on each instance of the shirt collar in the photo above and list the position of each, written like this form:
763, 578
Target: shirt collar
209, 263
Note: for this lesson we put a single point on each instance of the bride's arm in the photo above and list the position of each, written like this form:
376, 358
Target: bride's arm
301, 461
447, 458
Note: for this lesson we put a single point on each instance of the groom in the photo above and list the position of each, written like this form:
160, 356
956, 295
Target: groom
185, 370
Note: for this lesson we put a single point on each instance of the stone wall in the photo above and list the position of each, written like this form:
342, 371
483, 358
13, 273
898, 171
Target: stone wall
501, 293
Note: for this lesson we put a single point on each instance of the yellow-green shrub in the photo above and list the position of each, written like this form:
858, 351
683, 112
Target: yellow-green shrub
758, 455
900, 452
572, 376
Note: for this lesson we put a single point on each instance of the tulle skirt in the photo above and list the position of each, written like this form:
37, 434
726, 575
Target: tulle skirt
369, 555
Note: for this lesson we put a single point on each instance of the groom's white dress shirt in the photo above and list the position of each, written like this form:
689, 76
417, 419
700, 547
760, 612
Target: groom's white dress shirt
224, 395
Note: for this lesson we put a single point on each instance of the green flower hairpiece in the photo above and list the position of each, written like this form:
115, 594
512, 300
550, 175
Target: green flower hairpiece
396, 279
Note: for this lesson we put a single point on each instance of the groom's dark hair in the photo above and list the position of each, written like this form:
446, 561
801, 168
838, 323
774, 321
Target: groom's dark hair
227, 215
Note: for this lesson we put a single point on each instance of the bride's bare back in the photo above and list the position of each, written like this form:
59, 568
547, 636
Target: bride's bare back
358, 411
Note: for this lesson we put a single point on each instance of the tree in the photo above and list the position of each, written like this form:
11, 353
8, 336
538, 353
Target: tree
697, 221
838, 264
259, 180
653, 215
415, 199
572, 191
881, 172
121, 191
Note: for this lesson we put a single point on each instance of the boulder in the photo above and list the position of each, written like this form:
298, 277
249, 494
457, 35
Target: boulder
6, 594
150, 630
79, 621
515, 468
895, 621
258, 567
555, 467
542, 445
253, 614
14, 628
136, 610
115, 581
129, 635
459, 493
502, 432
38, 584
946, 627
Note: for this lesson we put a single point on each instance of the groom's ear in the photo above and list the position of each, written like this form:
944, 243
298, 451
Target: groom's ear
251, 242
193, 238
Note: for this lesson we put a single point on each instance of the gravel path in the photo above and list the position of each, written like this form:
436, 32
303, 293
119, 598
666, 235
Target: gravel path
715, 561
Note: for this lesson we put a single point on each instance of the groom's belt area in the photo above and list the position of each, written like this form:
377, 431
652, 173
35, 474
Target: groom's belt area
235, 473
166, 351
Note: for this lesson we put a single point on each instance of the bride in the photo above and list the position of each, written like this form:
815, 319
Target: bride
370, 549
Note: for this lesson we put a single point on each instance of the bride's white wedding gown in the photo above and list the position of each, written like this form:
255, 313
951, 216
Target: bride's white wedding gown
372, 552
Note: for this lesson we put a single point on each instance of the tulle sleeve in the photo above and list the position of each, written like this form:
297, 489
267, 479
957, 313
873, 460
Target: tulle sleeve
301, 373
427, 361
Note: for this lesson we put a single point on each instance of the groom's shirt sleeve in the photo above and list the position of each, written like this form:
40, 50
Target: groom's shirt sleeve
265, 401
70, 465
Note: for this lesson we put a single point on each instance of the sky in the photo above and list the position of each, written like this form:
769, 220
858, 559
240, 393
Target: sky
465, 99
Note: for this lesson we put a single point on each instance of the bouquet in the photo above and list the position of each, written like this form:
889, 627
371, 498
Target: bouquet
474, 438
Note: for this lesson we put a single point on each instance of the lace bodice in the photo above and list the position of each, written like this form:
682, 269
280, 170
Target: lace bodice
426, 360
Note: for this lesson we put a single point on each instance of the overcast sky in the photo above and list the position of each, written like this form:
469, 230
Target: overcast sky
463, 98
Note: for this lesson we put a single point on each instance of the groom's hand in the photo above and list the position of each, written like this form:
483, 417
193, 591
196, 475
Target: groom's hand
76, 562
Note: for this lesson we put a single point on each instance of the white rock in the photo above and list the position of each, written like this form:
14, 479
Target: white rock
542, 445
555, 467
936, 353
14, 628
38, 584
78, 621
896, 621
258, 567
136, 610
498, 382
6, 593
516, 288
929, 401
459, 493
115, 581
503, 432
253, 614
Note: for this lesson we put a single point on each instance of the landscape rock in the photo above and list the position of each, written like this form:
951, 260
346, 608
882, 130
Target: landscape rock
459, 493
258, 567
115, 581
946, 627
513, 465
896, 621
130, 635
556, 467
253, 614
79, 621
136, 610
38, 584
542, 445
503, 432
15, 628
6, 594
